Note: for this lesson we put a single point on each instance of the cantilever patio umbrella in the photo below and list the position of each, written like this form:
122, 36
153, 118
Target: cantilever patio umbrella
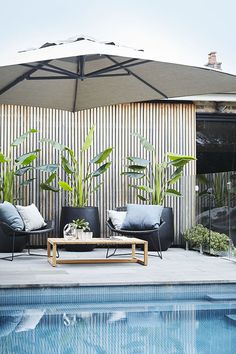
84, 73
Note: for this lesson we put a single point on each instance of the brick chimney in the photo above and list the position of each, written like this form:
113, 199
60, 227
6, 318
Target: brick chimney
212, 61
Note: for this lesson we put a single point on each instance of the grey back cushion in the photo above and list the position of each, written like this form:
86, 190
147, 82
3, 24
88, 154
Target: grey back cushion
10, 216
142, 217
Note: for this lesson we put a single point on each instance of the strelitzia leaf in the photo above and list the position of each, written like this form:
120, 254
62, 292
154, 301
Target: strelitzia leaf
173, 192
50, 168
47, 187
27, 182
102, 156
174, 157
88, 139
66, 166
101, 169
2, 158
26, 159
177, 172
133, 174
142, 188
51, 178
64, 185
22, 138
54, 144
175, 178
72, 155
139, 161
148, 146
23, 170
136, 167
141, 197
179, 160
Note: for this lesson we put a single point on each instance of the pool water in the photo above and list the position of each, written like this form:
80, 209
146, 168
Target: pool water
133, 320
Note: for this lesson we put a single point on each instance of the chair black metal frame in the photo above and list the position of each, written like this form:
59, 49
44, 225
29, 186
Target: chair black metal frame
139, 234
49, 227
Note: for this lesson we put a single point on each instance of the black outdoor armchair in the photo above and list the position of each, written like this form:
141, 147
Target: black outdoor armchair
15, 234
152, 236
165, 231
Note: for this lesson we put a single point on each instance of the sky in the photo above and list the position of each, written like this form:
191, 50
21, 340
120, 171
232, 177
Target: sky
182, 31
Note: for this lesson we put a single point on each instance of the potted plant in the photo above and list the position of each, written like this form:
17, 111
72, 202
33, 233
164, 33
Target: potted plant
155, 180
81, 227
81, 182
10, 169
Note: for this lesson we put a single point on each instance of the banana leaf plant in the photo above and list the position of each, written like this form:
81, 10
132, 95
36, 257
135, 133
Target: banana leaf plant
11, 167
158, 178
79, 182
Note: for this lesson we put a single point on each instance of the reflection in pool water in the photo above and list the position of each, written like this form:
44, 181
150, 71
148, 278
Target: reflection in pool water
131, 327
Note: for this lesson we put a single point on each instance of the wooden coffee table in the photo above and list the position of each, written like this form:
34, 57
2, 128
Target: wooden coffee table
52, 244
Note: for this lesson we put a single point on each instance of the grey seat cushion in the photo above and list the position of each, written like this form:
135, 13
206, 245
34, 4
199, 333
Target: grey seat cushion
142, 217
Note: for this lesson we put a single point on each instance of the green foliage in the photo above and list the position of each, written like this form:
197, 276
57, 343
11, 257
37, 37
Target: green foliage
20, 167
81, 224
197, 235
219, 242
79, 182
200, 235
218, 182
159, 177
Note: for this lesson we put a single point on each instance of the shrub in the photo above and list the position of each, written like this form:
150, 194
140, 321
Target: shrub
200, 235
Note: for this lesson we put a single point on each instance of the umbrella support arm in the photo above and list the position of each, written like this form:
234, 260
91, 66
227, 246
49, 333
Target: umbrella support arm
22, 77
137, 77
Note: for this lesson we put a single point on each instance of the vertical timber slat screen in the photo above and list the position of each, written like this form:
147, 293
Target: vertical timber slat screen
169, 126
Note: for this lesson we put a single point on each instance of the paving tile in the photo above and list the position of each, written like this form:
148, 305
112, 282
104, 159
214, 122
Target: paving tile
177, 266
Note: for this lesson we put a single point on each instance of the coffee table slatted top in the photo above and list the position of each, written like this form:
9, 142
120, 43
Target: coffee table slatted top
98, 241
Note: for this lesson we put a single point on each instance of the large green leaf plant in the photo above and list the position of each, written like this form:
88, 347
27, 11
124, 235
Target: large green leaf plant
155, 180
11, 168
79, 181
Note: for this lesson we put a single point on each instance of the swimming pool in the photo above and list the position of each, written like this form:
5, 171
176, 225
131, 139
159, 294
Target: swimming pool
188, 319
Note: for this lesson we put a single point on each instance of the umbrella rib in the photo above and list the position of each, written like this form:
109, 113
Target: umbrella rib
21, 78
138, 77
110, 68
57, 70
107, 75
51, 78
73, 78
63, 71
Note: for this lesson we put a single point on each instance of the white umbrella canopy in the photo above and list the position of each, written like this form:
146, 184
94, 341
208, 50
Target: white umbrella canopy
85, 73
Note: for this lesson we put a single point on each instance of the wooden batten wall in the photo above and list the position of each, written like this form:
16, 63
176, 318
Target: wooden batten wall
169, 126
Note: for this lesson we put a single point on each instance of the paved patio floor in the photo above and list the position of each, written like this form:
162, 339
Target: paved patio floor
177, 266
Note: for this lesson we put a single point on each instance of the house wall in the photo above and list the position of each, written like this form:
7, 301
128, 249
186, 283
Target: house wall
169, 126
215, 107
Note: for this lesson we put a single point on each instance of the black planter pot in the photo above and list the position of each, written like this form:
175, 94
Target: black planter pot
90, 214
6, 242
